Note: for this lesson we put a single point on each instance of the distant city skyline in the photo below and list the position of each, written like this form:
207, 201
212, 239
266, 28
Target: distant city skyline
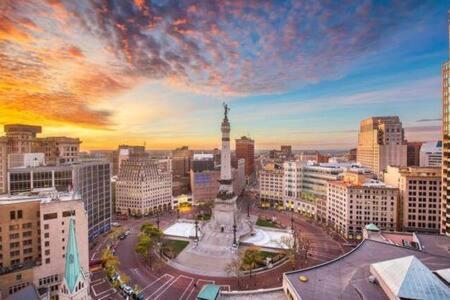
303, 74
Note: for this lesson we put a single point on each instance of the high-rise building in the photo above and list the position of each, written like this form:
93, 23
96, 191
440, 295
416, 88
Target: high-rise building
58, 150
431, 154
381, 142
181, 161
351, 155
356, 201
245, 149
413, 154
36, 233
142, 187
3, 165
445, 204
20, 137
420, 194
91, 179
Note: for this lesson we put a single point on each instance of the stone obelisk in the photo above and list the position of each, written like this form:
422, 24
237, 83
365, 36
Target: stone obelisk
225, 211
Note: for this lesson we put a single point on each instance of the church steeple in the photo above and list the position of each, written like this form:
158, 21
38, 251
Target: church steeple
75, 285
73, 268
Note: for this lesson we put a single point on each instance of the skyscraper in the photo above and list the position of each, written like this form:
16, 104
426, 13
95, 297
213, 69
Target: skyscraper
445, 207
245, 148
381, 142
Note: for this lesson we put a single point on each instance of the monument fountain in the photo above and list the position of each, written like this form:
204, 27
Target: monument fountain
215, 243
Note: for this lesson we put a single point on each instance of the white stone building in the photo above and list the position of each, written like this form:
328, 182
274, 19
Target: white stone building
355, 202
143, 186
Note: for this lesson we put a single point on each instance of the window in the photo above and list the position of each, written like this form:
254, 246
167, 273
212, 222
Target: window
47, 260
68, 213
50, 216
19, 214
12, 215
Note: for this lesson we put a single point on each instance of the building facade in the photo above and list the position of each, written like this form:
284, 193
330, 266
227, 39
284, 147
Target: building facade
3, 165
445, 203
35, 232
58, 150
420, 194
413, 153
271, 186
205, 182
245, 149
381, 142
91, 179
20, 137
355, 203
431, 154
143, 187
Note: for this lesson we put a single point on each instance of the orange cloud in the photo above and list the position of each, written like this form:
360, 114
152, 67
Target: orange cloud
9, 31
75, 51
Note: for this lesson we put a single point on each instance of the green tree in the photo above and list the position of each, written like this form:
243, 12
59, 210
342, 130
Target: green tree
251, 259
144, 247
110, 262
151, 231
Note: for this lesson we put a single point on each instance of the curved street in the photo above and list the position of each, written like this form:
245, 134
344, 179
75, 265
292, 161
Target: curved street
165, 282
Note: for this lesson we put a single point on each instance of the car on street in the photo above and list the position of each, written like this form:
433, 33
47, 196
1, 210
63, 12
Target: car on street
115, 224
122, 236
127, 289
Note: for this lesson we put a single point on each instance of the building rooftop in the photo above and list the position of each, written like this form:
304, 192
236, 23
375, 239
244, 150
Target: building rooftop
347, 277
432, 147
409, 278
43, 195
203, 156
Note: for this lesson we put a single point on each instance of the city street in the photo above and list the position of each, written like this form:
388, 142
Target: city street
165, 282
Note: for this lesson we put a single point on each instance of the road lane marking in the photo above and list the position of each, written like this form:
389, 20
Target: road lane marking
161, 287
157, 280
172, 283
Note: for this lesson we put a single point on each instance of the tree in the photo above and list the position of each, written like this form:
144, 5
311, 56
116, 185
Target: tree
148, 239
151, 231
304, 247
110, 262
287, 243
234, 268
144, 247
251, 259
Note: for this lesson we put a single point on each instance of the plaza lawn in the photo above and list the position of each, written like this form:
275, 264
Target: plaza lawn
174, 247
266, 223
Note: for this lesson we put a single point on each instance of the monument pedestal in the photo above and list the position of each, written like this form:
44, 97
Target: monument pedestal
225, 214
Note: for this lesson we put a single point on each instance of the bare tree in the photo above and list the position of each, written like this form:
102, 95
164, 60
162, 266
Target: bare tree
290, 249
233, 268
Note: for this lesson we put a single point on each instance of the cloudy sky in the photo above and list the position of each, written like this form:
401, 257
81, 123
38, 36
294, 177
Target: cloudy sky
294, 72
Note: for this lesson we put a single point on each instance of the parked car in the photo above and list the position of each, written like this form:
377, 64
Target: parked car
127, 289
122, 236
127, 233
115, 276
139, 296
115, 224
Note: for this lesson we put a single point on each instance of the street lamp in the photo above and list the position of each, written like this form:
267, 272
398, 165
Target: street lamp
196, 229
292, 221
157, 220
234, 235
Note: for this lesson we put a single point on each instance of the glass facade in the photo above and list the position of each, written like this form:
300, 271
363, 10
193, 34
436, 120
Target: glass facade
91, 179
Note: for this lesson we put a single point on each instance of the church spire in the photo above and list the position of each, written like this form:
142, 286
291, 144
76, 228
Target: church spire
73, 268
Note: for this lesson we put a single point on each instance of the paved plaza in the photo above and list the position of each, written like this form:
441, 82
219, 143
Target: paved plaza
164, 281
